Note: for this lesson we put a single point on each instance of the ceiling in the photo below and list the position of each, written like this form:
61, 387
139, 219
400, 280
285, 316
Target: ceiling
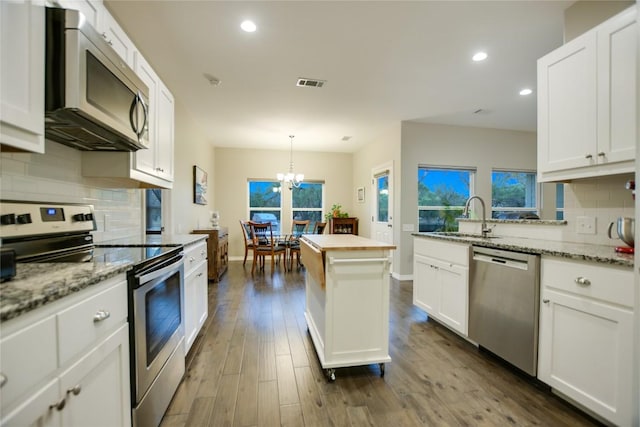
384, 62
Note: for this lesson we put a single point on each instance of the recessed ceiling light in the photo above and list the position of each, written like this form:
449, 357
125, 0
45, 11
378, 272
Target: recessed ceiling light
248, 26
526, 91
480, 56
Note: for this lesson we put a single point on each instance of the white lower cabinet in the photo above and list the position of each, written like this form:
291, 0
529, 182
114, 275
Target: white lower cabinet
90, 387
586, 335
195, 291
441, 281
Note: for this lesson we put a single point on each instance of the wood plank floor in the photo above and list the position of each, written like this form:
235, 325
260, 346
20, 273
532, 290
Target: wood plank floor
254, 364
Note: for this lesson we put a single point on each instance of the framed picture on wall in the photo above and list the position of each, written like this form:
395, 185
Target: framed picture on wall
199, 186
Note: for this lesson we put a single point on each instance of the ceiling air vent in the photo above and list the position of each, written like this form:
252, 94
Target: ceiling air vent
310, 82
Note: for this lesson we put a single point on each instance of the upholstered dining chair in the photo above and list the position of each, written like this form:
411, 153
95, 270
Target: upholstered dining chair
248, 242
298, 228
264, 244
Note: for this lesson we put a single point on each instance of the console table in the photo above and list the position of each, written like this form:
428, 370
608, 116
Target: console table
218, 250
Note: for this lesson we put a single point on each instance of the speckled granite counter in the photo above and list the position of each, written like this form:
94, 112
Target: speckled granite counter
38, 284
576, 251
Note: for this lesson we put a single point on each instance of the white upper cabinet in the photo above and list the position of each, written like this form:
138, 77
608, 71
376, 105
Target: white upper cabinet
587, 103
158, 159
22, 75
91, 9
115, 36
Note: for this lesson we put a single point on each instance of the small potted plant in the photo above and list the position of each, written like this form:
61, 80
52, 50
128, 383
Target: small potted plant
335, 212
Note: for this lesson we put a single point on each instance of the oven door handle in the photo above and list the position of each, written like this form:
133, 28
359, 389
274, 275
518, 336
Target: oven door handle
144, 278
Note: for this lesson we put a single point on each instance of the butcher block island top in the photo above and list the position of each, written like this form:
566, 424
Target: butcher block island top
343, 242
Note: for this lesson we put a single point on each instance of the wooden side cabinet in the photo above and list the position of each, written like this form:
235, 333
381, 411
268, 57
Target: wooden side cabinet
344, 226
218, 251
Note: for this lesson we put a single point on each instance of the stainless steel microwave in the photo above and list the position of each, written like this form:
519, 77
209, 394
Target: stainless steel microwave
93, 100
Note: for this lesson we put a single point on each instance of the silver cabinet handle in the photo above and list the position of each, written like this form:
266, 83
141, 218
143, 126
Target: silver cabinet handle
546, 301
582, 281
101, 315
601, 154
199, 274
588, 156
59, 405
76, 389
203, 252
3, 379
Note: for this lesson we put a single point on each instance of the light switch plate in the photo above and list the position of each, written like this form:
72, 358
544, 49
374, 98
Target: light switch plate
586, 225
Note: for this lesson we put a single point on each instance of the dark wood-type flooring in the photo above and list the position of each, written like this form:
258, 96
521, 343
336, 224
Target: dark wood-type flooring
254, 364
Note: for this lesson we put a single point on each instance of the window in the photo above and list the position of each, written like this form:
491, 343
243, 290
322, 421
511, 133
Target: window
442, 193
307, 202
560, 201
153, 211
265, 203
513, 194
382, 195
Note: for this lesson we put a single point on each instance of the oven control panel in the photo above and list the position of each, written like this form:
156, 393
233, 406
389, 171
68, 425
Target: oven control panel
19, 219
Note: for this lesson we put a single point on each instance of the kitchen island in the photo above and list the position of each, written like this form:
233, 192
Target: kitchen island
347, 299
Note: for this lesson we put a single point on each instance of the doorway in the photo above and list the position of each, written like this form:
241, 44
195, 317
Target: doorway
382, 203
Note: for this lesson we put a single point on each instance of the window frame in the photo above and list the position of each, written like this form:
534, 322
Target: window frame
514, 209
322, 202
472, 171
265, 209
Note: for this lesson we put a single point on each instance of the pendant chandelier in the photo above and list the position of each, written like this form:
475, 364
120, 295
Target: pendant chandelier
291, 179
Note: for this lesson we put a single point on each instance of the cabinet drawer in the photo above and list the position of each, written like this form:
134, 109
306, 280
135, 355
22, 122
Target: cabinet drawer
193, 255
27, 357
84, 323
607, 283
456, 253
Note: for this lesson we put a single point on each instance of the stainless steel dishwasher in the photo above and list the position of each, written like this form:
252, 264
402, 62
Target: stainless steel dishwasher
503, 305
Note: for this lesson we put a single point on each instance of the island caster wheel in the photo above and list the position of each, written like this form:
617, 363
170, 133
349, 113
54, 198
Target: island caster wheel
382, 370
331, 375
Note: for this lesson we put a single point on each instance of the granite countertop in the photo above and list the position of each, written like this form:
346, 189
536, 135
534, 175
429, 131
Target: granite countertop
577, 251
37, 284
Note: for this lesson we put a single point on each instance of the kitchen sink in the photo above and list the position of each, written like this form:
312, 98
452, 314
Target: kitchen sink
463, 235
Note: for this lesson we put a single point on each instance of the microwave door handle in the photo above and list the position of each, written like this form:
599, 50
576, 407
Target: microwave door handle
133, 116
145, 110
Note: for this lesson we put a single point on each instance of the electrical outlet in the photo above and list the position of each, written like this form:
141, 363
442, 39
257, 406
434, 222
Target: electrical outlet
586, 225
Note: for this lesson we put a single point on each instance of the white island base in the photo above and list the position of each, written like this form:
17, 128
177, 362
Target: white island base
347, 300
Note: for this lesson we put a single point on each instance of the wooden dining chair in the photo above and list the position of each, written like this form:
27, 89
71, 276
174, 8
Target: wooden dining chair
248, 242
298, 228
319, 227
265, 244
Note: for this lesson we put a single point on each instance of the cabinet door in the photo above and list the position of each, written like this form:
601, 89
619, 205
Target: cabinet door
164, 133
567, 106
426, 289
585, 352
89, 8
145, 159
617, 73
97, 386
22, 74
452, 307
202, 296
36, 411
111, 31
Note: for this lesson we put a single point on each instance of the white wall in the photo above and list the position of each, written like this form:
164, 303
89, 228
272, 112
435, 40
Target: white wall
192, 147
55, 177
440, 145
234, 167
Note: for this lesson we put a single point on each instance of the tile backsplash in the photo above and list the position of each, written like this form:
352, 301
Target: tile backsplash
604, 199
56, 177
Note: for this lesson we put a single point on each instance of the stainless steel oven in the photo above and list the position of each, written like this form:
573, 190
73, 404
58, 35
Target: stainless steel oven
156, 314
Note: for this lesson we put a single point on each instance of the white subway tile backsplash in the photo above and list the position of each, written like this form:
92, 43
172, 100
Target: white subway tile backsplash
605, 199
56, 177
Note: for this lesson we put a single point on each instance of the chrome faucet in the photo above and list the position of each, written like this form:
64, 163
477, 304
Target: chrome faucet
485, 230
